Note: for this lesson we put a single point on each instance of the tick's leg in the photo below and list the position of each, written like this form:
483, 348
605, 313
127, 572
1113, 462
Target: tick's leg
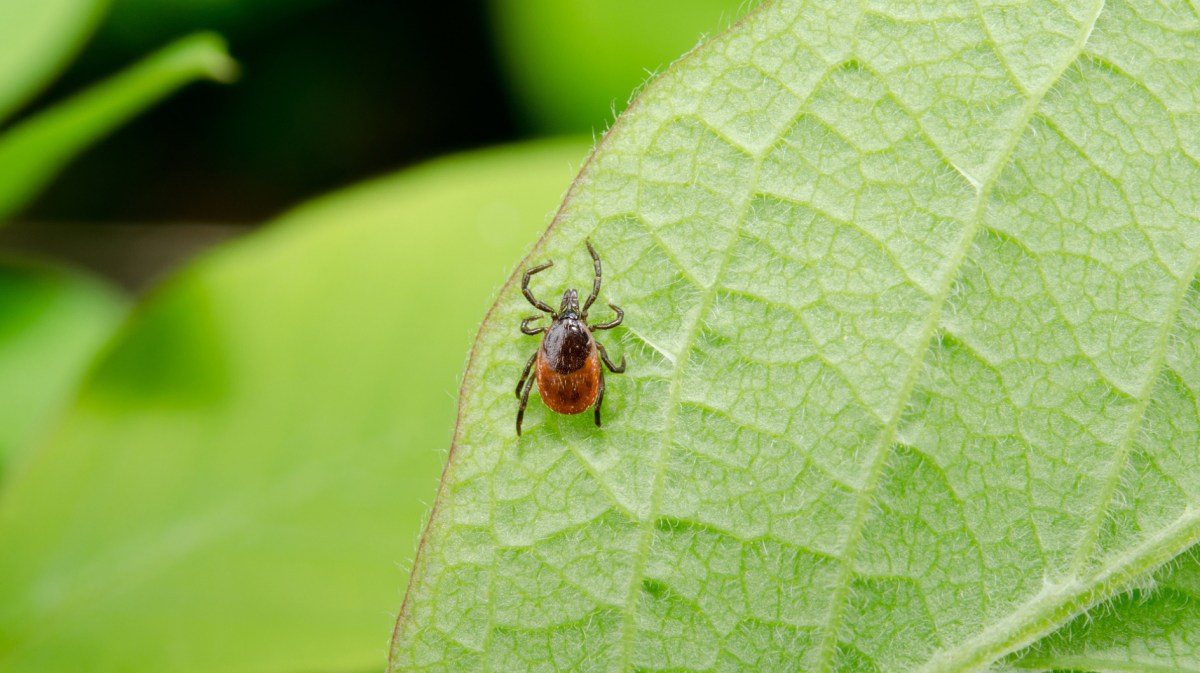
604, 356
595, 282
524, 401
526, 329
539, 304
525, 373
616, 321
600, 398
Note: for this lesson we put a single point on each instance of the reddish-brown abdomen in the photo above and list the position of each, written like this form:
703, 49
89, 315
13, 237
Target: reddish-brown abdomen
571, 392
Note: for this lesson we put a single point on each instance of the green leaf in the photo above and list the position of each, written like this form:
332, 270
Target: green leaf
241, 481
51, 326
36, 40
911, 322
560, 56
32, 152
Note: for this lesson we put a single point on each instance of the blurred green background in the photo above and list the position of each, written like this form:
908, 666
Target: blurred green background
223, 414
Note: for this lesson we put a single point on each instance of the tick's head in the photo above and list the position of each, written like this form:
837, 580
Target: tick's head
570, 305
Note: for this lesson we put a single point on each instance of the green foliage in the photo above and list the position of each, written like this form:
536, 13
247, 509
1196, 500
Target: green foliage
52, 321
32, 152
912, 318
254, 455
574, 63
36, 39
51, 324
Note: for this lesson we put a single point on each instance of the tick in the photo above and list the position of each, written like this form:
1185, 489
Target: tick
568, 373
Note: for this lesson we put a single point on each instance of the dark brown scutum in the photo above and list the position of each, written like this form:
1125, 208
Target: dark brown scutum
567, 345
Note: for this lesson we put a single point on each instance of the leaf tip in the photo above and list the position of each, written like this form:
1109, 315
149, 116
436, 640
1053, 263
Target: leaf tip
208, 54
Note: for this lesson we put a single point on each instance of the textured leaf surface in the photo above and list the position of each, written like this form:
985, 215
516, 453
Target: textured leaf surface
51, 326
36, 39
226, 491
35, 149
911, 320
1155, 628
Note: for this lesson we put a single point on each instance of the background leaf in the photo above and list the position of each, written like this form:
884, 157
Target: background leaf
36, 40
574, 65
911, 322
51, 326
226, 492
33, 151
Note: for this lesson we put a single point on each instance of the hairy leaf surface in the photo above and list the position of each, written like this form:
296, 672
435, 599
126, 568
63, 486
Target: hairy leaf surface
1154, 628
911, 326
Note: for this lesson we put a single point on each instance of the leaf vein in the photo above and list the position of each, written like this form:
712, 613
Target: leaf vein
671, 411
887, 435
1157, 362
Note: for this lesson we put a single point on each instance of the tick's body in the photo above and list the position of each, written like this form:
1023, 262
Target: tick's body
568, 367
568, 372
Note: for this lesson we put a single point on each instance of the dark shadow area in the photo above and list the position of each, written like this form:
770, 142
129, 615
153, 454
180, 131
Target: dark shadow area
330, 93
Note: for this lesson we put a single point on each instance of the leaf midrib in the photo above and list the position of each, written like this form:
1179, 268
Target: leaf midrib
1059, 603
1093, 663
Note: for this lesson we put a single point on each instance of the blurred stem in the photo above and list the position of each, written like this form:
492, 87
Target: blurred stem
33, 151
